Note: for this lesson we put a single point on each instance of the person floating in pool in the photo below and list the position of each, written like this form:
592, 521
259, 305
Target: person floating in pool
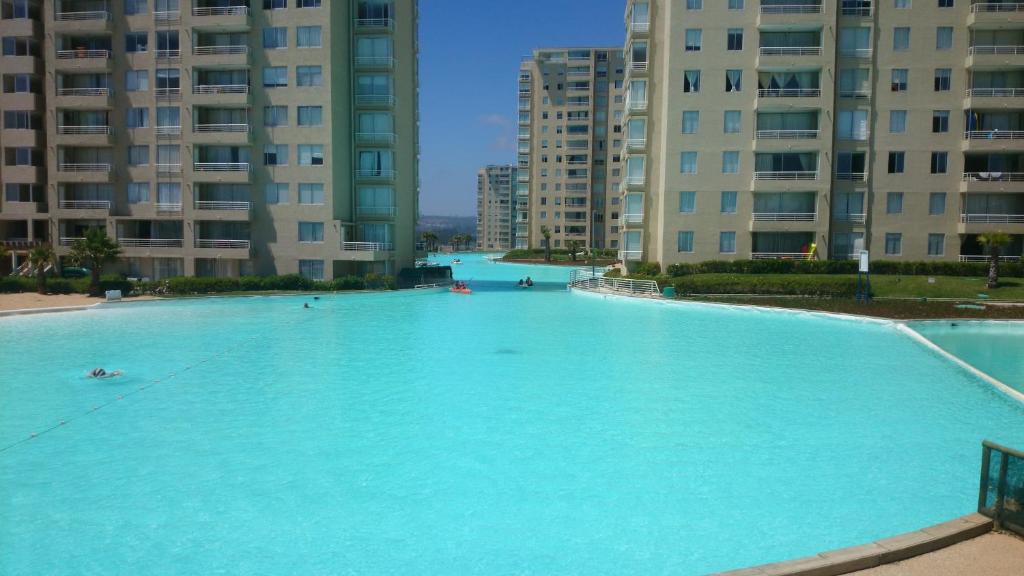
305, 305
521, 283
529, 281
103, 374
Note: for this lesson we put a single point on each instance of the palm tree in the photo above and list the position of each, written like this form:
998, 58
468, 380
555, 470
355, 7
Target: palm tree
573, 246
546, 233
431, 240
94, 250
39, 259
994, 241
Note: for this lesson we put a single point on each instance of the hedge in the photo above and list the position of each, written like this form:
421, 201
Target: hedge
190, 285
13, 284
885, 267
834, 287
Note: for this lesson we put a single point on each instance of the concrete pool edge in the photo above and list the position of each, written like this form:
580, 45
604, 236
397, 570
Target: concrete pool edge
50, 310
877, 553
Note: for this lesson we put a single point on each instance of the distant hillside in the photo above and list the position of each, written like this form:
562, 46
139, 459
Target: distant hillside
447, 226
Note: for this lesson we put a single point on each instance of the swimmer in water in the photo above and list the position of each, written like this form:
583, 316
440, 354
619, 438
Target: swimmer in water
101, 373
306, 305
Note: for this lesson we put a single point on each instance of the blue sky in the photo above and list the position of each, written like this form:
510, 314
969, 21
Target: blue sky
469, 59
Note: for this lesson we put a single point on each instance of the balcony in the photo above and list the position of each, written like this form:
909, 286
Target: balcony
992, 218
99, 55
69, 240
639, 27
167, 16
219, 11
374, 24
633, 218
83, 130
786, 175
784, 216
220, 166
786, 134
222, 205
995, 8
855, 53
788, 92
375, 211
367, 246
217, 89
66, 204
75, 167
163, 168
83, 92
151, 242
849, 217
851, 176
790, 50
222, 243
995, 92
993, 177
79, 17
221, 128
375, 137
375, 174
636, 143
790, 7
1003, 50
375, 100
630, 255
638, 66
167, 131
378, 62
172, 93
226, 50
636, 105
780, 256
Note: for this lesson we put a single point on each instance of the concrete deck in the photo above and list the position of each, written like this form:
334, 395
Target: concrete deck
994, 554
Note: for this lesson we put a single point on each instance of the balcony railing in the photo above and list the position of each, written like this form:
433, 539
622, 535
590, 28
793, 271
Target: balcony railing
636, 143
630, 254
631, 218
636, 105
994, 135
375, 137
851, 176
151, 242
995, 50
640, 27
84, 204
375, 210
368, 23
222, 205
634, 180
375, 173
167, 92
167, 131
222, 243
791, 9
855, 94
168, 54
168, 168
855, 9
375, 61
168, 206
167, 16
780, 256
220, 89
996, 92
850, 217
986, 258
790, 50
993, 177
69, 240
992, 218
855, 53
786, 134
76, 167
221, 11
219, 50
367, 246
83, 91
638, 66
786, 175
221, 166
77, 54
375, 100
221, 128
788, 92
77, 130
784, 216
78, 16
996, 7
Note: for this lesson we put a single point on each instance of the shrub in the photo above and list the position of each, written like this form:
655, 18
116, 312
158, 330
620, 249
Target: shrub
15, 284
65, 286
835, 287
348, 283
884, 267
613, 273
646, 270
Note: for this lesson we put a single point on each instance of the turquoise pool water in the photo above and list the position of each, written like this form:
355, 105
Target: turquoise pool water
995, 348
506, 432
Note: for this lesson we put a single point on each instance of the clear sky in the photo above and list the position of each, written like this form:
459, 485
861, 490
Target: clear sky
469, 61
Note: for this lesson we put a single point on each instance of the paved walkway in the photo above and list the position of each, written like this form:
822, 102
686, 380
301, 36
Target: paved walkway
993, 554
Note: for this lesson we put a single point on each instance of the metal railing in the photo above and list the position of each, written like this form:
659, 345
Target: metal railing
993, 177
856, 53
1001, 491
850, 217
168, 168
630, 255
784, 216
375, 173
375, 100
634, 180
167, 130
167, 16
851, 176
151, 242
587, 280
75, 167
986, 258
220, 89
222, 205
375, 210
998, 50
75, 54
168, 206
168, 54
640, 27
638, 66
221, 128
68, 240
367, 246
220, 50
790, 50
992, 218
786, 175
79, 130
627, 218
221, 166
375, 137
855, 94
994, 134
855, 9
84, 204
780, 256
996, 92
996, 7
221, 243
375, 23
83, 91
167, 92
788, 92
791, 9
786, 134
221, 11
636, 105
78, 16
377, 61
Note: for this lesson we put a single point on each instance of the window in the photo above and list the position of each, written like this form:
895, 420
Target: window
694, 4
276, 193
730, 162
311, 115
275, 116
691, 121
691, 81
22, 120
687, 202
940, 162
309, 76
902, 4
138, 192
275, 4
945, 3
896, 162
936, 244
735, 39
729, 202
944, 38
311, 269
133, 7
19, 46
727, 242
936, 203
275, 38
136, 42
136, 80
688, 162
168, 79
275, 76
693, 39
852, 125
311, 231
733, 119
311, 155
900, 38
21, 84
168, 155
307, 3
275, 155
899, 79
138, 155
24, 193
167, 44
684, 241
308, 37
942, 79
894, 203
940, 121
735, 4
893, 244
855, 41
168, 116
897, 121
733, 79
168, 193
138, 118
311, 193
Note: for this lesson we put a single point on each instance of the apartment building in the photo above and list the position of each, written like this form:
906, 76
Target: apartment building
570, 117
774, 128
213, 137
495, 206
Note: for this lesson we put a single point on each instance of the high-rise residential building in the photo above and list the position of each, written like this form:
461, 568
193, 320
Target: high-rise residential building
570, 117
495, 203
766, 129
213, 137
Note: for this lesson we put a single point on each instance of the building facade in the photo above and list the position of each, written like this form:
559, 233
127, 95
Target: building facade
779, 128
570, 116
495, 207
214, 137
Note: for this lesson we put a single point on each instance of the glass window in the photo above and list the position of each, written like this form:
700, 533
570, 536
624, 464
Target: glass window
309, 76
897, 121
276, 193
945, 3
685, 241
136, 42
893, 244
307, 3
729, 202
136, 80
727, 242
275, 38
936, 244
311, 193
308, 37
853, 125
275, 4
275, 155
693, 39
311, 115
311, 231
942, 79
275, 76
901, 38
733, 80
168, 116
940, 121
733, 119
691, 81
896, 162
691, 121
133, 7
944, 38
894, 203
735, 4
688, 162
899, 79
936, 203
275, 116
138, 192
312, 155
730, 162
138, 155
694, 4
687, 202
311, 269
138, 118
940, 162
735, 39
902, 4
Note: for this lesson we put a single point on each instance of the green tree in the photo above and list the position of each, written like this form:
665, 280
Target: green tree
574, 247
95, 250
4, 254
994, 241
546, 233
39, 259
431, 241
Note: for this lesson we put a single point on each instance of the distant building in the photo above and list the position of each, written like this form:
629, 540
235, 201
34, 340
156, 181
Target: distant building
495, 187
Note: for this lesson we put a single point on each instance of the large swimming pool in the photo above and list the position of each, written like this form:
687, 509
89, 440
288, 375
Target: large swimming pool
507, 432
